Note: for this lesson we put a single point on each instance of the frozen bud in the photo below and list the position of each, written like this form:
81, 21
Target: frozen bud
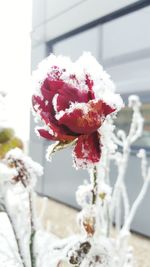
100, 254
105, 192
26, 169
86, 220
89, 225
78, 253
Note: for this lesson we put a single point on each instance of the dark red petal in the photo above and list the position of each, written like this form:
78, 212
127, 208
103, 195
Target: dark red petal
46, 134
107, 109
85, 122
68, 94
53, 85
46, 93
62, 132
90, 84
38, 103
49, 89
87, 150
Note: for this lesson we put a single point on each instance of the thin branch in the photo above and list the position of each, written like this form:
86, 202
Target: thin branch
136, 205
94, 185
125, 201
33, 232
15, 235
11, 249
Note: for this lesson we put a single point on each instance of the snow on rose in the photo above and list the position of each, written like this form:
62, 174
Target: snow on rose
73, 100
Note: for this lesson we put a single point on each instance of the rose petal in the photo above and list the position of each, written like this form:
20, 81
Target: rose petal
87, 149
86, 118
38, 103
45, 134
107, 109
68, 94
62, 132
50, 88
90, 84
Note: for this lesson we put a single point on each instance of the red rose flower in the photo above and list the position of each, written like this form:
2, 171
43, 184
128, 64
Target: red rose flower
69, 108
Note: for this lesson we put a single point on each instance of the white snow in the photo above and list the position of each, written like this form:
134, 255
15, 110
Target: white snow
34, 168
6, 173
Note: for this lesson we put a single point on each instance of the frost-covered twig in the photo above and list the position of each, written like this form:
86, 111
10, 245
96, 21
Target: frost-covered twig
15, 236
11, 249
33, 231
94, 182
135, 132
25, 176
136, 204
146, 178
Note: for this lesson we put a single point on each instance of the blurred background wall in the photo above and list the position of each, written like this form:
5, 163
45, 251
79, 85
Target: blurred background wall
117, 33
15, 59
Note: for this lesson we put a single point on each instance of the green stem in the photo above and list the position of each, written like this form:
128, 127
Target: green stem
94, 185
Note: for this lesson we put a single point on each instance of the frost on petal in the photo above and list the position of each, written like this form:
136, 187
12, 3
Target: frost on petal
51, 130
51, 66
45, 134
113, 100
68, 94
87, 150
102, 82
85, 118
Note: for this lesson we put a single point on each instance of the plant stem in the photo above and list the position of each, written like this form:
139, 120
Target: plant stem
33, 231
94, 185
108, 221
136, 204
15, 235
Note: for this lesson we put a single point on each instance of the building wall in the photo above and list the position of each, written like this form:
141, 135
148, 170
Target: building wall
54, 18
123, 47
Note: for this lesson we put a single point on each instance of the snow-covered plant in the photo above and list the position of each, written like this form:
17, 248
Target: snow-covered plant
17, 179
77, 105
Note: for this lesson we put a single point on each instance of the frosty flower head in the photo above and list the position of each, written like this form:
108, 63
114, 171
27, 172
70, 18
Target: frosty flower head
86, 220
101, 254
26, 168
72, 100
